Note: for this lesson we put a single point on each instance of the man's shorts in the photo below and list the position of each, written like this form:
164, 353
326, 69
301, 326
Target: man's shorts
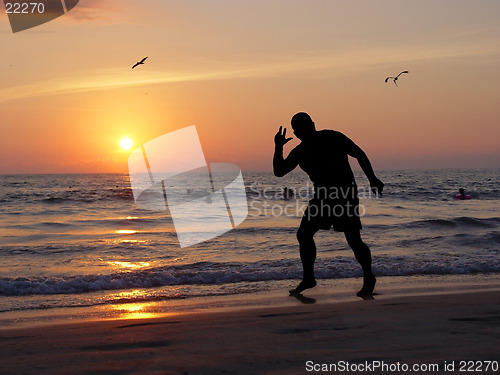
341, 214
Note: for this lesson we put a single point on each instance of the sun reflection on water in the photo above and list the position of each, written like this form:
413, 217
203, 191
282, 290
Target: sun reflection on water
129, 266
134, 310
126, 231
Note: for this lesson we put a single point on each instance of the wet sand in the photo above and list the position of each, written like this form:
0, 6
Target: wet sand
440, 329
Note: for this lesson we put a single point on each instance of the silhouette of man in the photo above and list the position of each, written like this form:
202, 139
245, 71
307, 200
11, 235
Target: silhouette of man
323, 155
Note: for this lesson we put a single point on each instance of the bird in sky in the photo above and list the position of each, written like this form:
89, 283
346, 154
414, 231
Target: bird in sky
139, 62
396, 78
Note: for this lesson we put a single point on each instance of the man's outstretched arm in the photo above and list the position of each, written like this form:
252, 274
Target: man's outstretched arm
356, 152
282, 166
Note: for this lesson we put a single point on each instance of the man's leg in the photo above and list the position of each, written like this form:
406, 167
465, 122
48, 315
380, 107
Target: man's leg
307, 247
364, 257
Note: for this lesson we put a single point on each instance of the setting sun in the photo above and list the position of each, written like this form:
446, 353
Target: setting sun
126, 143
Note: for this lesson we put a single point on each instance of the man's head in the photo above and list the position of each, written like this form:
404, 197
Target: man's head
461, 191
302, 125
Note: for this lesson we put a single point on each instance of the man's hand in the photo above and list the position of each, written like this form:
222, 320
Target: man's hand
377, 186
280, 138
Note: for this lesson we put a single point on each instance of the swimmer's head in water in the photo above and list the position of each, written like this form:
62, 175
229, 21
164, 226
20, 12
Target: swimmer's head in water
302, 125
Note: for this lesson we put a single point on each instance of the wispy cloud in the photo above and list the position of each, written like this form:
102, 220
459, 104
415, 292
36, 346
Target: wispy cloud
103, 80
325, 63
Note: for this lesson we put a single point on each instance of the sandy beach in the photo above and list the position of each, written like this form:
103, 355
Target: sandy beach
380, 334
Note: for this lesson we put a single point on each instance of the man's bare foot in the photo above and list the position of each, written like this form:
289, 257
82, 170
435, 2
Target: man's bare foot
368, 286
303, 286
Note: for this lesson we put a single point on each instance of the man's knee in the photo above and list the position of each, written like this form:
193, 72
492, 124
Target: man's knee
304, 234
354, 240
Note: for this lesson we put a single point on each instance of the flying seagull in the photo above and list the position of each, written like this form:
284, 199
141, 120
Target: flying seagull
396, 78
139, 62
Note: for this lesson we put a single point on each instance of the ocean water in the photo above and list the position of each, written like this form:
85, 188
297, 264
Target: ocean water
73, 241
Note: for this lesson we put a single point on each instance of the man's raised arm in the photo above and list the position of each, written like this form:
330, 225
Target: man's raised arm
282, 166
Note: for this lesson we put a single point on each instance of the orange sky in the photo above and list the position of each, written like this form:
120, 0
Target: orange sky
239, 70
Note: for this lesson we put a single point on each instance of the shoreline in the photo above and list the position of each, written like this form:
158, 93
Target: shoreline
425, 329
261, 295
